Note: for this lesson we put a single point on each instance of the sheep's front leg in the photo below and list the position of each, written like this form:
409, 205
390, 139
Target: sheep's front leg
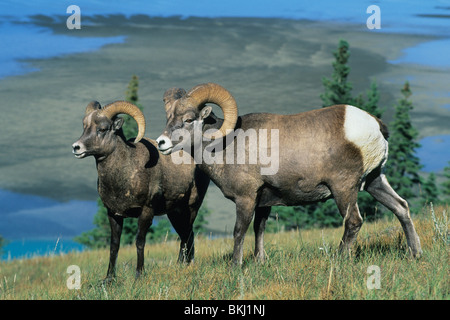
116, 223
183, 224
259, 225
144, 222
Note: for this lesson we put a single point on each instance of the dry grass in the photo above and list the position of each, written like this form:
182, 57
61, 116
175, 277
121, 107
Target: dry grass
300, 265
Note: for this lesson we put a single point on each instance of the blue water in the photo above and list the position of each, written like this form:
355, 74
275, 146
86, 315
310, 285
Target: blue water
397, 16
434, 53
18, 39
28, 248
22, 41
35, 225
434, 152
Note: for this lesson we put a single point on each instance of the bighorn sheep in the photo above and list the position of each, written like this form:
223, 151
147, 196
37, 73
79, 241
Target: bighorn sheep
327, 153
135, 180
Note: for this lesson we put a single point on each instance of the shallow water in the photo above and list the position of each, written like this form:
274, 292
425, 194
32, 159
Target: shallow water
434, 152
412, 17
23, 42
28, 248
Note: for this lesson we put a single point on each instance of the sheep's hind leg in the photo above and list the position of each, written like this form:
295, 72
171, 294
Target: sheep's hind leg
348, 208
381, 190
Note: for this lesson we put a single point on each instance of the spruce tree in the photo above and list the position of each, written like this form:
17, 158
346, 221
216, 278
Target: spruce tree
402, 167
430, 190
371, 105
129, 128
446, 184
337, 89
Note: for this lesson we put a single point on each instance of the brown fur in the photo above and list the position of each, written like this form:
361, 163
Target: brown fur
316, 162
135, 180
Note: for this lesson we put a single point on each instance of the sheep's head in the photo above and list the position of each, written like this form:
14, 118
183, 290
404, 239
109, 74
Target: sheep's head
100, 128
186, 110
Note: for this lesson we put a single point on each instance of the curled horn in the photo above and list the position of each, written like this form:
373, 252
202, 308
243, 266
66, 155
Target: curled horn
117, 107
214, 93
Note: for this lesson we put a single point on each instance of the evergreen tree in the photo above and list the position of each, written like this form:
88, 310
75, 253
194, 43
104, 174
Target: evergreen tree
371, 105
446, 184
161, 232
430, 190
338, 89
200, 220
402, 168
129, 128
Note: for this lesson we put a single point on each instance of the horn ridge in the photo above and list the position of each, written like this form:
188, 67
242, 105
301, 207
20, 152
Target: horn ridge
214, 93
125, 107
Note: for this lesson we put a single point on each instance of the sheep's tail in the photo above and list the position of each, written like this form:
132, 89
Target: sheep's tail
383, 128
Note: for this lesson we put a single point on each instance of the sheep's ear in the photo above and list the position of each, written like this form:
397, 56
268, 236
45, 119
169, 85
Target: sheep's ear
206, 111
117, 124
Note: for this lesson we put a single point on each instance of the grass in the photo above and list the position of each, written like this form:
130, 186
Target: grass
300, 265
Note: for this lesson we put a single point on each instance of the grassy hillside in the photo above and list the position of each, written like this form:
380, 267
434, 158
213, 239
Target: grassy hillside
300, 265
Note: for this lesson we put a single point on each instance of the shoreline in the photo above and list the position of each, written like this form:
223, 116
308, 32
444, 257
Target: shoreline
267, 63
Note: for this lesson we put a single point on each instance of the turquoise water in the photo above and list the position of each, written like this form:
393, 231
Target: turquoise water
28, 248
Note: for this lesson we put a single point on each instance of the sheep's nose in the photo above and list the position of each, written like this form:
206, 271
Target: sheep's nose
75, 148
161, 141
164, 143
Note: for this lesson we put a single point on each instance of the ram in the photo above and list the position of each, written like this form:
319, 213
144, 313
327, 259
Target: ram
135, 180
331, 152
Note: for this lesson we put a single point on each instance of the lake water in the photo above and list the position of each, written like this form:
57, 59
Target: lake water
414, 17
28, 248
434, 152
404, 16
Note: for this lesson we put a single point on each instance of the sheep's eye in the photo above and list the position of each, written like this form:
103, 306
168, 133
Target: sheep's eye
189, 120
101, 130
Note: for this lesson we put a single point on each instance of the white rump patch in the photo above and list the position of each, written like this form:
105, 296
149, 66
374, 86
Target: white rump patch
364, 131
